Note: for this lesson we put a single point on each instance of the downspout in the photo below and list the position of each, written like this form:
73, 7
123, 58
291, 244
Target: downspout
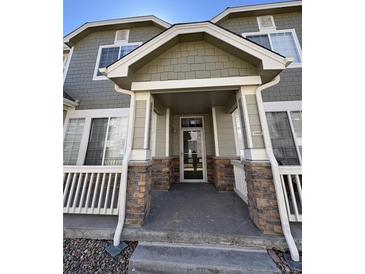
124, 176
275, 170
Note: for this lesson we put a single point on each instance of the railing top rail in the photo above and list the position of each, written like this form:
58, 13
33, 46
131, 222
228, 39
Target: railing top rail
89, 169
290, 169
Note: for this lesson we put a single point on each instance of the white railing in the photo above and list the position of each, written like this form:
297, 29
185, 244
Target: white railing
91, 189
291, 182
240, 185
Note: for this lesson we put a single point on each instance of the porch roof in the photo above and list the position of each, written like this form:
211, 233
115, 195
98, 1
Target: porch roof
268, 63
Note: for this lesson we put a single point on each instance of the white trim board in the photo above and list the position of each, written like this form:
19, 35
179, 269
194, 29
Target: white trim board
197, 83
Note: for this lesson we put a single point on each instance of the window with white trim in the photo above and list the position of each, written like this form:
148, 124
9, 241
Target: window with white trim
284, 42
108, 54
285, 129
95, 139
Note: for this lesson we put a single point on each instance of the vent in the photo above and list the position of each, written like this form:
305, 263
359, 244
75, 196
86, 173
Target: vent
121, 36
266, 22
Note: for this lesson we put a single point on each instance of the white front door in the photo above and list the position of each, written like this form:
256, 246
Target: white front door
192, 155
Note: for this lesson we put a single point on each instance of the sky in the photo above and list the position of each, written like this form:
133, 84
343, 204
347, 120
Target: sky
78, 12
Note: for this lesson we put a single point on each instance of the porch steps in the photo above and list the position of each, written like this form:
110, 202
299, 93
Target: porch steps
180, 258
179, 237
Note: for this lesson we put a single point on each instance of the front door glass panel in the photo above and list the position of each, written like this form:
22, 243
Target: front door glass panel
192, 154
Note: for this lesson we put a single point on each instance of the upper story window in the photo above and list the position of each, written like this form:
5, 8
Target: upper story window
284, 42
108, 54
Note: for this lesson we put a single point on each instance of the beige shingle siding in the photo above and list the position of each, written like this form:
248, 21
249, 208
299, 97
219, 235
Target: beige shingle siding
290, 86
79, 82
225, 132
254, 119
139, 124
193, 60
161, 135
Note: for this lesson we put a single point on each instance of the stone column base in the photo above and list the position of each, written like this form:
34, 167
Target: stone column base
223, 176
262, 203
138, 192
162, 173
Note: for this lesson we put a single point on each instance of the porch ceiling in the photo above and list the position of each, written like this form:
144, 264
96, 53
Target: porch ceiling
194, 102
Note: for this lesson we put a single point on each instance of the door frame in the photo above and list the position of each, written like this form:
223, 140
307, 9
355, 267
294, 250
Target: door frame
181, 147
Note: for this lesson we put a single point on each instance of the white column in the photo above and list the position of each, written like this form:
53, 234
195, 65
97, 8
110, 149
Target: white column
251, 152
215, 131
167, 146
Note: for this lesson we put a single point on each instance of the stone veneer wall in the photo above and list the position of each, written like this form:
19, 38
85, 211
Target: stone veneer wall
138, 192
162, 173
223, 173
262, 203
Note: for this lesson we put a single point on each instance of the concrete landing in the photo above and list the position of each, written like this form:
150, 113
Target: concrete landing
162, 258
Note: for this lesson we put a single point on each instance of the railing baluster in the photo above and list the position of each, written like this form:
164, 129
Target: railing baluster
285, 195
95, 191
299, 187
91, 189
71, 192
88, 192
66, 187
77, 192
107, 193
101, 192
292, 194
113, 194
83, 191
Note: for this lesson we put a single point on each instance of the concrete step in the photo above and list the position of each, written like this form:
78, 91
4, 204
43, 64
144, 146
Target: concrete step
179, 258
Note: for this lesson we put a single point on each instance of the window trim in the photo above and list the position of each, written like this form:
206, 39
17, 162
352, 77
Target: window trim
288, 107
88, 115
119, 45
269, 31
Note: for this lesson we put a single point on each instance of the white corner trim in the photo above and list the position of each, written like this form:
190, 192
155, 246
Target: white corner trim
270, 60
226, 12
167, 145
197, 83
282, 106
215, 132
67, 64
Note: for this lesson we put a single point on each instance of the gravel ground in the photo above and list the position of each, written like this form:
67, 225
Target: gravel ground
89, 256
278, 257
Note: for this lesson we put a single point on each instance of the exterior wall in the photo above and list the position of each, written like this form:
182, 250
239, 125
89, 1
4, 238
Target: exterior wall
254, 119
262, 203
161, 136
138, 193
290, 85
225, 132
79, 83
223, 176
139, 124
162, 173
193, 60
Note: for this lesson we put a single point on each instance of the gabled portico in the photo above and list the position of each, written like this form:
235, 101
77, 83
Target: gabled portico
189, 87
